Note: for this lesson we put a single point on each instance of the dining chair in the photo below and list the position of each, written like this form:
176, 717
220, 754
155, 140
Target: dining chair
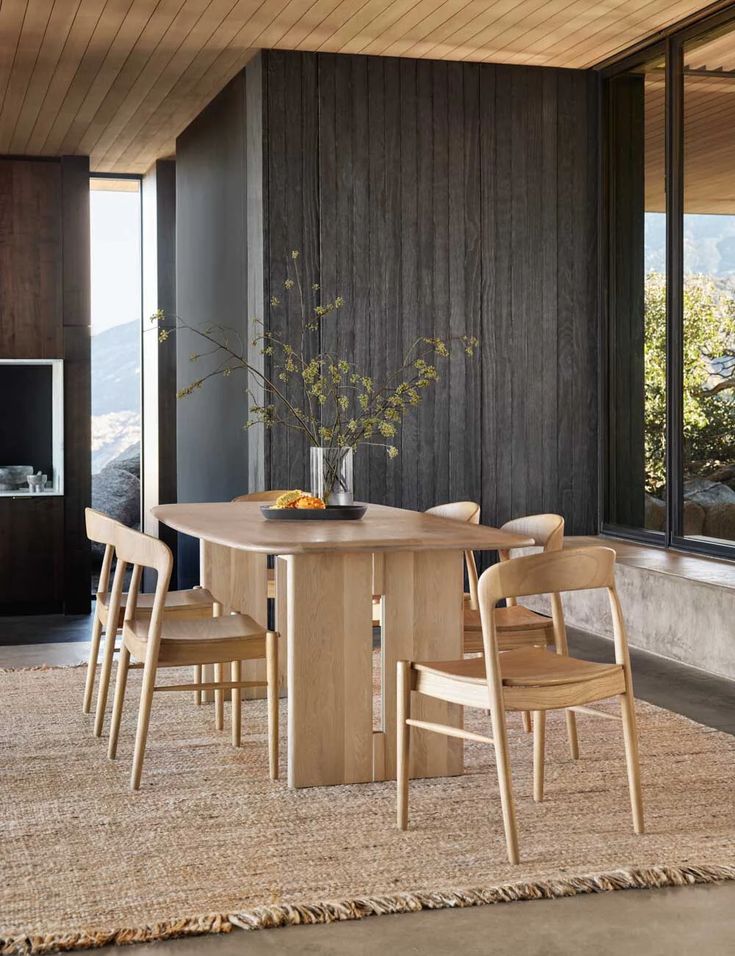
517, 626
109, 609
529, 678
159, 641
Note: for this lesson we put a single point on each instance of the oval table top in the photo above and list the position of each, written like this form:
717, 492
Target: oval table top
240, 524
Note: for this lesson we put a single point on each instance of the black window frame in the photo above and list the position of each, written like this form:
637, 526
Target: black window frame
671, 46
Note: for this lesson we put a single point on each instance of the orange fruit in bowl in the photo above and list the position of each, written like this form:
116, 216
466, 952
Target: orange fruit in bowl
310, 503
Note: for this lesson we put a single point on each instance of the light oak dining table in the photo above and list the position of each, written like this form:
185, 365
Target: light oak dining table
326, 575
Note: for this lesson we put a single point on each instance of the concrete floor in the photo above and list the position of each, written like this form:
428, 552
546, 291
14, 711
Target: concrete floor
699, 919
670, 922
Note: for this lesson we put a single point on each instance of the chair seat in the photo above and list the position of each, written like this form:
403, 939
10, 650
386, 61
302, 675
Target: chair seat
515, 618
212, 640
528, 667
195, 602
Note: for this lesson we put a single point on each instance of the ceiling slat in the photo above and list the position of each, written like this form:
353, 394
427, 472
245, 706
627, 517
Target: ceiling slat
77, 41
119, 79
35, 23
59, 26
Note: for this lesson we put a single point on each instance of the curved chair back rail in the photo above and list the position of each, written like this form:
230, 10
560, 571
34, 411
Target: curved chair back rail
100, 527
547, 530
260, 496
547, 573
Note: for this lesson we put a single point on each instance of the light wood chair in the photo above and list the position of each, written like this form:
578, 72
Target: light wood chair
517, 626
530, 679
159, 641
109, 611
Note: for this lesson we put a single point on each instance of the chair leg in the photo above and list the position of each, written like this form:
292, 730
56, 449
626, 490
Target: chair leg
198, 694
117, 707
219, 699
108, 652
403, 741
526, 717
505, 783
558, 640
236, 704
571, 718
94, 651
271, 676
630, 736
144, 716
539, 745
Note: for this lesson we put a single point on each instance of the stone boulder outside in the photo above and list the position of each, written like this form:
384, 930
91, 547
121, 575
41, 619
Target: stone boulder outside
116, 491
694, 518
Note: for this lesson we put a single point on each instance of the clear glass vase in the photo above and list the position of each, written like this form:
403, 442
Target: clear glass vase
331, 475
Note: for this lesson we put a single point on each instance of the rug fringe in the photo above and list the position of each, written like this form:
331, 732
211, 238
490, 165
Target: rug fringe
43, 667
295, 914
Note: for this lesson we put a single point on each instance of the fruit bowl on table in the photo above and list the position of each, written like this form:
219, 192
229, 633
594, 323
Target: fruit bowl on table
298, 506
332, 513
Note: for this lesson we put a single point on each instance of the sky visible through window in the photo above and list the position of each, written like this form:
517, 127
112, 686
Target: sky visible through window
116, 324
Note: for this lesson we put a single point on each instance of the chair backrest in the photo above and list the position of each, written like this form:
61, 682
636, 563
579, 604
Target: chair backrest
547, 531
551, 572
468, 511
260, 496
101, 529
143, 551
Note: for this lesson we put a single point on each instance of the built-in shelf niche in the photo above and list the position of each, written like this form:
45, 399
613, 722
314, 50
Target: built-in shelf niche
32, 422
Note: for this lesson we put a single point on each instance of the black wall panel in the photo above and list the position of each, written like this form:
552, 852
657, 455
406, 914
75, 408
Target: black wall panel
439, 199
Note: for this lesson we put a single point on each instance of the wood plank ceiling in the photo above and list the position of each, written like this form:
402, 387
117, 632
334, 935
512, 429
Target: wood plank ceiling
119, 79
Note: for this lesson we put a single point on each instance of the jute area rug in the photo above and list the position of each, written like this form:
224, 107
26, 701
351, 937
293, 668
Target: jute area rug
209, 843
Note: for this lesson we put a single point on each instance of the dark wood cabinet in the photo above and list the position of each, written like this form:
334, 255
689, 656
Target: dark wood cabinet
45, 313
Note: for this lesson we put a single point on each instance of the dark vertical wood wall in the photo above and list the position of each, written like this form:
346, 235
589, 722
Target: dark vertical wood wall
626, 469
440, 198
45, 313
211, 287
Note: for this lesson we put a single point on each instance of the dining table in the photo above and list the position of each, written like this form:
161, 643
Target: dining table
341, 689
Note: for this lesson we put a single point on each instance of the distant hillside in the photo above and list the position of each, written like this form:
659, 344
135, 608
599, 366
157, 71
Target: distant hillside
709, 244
115, 392
116, 369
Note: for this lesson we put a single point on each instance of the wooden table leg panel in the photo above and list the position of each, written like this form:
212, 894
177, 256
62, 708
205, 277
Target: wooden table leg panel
238, 580
422, 621
329, 645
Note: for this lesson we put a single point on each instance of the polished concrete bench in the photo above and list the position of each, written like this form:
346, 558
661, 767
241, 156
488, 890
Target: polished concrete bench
678, 606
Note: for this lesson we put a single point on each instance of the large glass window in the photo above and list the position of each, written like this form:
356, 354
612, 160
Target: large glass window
115, 218
670, 419
708, 313
635, 489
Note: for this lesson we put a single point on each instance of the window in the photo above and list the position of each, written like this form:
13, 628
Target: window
115, 219
669, 447
635, 489
708, 312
